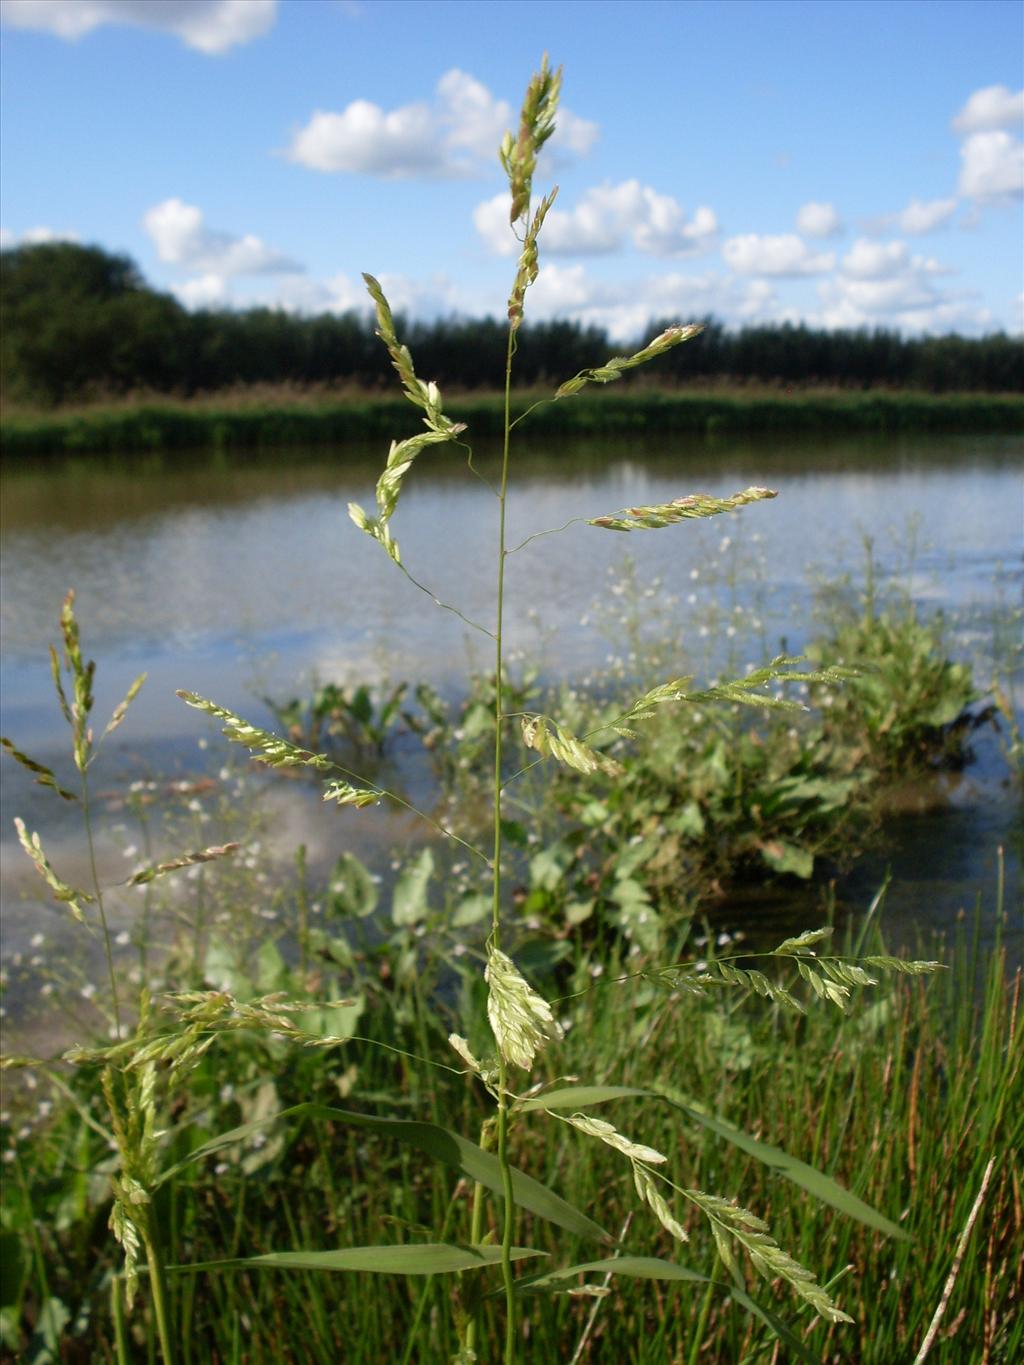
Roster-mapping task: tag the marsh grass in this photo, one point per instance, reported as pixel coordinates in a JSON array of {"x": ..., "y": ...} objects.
[{"x": 269, "y": 418}]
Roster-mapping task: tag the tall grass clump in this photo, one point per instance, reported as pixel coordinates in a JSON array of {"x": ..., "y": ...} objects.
[
  {"x": 587, "y": 1137},
  {"x": 524, "y": 1028}
]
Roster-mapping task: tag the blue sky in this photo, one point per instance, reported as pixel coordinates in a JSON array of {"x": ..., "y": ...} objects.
[{"x": 845, "y": 164}]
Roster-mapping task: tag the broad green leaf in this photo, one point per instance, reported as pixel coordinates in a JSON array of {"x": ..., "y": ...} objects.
[
  {"x": 441, "y": 1144},
  {"x": 409, "y": 902},
  {"x": 578, "y": 1097},
  {"x": 816, "y": 1183},
  {"x": 352, "y": 889},
  {"x": 422, "y": 1258},
  {"x": 634, "y": 1267},
  {"x": 784, "y": 857}
]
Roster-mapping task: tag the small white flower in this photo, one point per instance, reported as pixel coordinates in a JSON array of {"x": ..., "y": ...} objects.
[{"x": 37, "y": 940}]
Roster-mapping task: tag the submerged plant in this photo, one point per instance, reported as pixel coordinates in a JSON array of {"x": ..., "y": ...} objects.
[{"x": 523, "y": 1023}]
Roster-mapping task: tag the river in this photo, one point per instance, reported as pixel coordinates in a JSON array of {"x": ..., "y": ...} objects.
[{"x": 244, "y": 578}]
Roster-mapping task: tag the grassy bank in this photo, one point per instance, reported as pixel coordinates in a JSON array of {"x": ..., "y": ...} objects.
[
  {"x": 274, "y": 418},
  {"x": 908, "y": 1101}
]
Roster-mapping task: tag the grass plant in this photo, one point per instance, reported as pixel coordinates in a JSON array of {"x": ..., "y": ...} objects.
[{"x": 221, "y": 1162}]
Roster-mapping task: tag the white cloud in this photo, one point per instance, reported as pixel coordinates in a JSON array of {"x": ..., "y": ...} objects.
[
  {"x": 625, "y": 308},
  {"x": 182, "y": 238},
  {"x": 818, "y": 220},
  {"x": 992, "y": 169},
  {"x": 881, "y": 284},
  {"x": 209, "y": 26},
  {"x": 606, "y": 219},
  {"x": 990, "y": 108},
  {"x": 454, "y": 136},
  {"x": 33, "y": 236},
  {"x": 921, "y": 216},
  {"x": 786, "y": 255},
  {"x": 867, "y": 260}
]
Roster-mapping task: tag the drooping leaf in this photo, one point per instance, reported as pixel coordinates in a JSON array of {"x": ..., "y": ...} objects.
[
  {"x": 419, "y": 1258},
  {"x": 440, "y": 1143},
  {"x": 816, "y": 1183},
  {"x": 578, "y": 1097}
]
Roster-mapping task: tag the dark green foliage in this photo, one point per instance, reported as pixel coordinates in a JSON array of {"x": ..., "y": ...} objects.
[
  {"x": 78, "y": 322},
  {"x": 262, "y": 424}
]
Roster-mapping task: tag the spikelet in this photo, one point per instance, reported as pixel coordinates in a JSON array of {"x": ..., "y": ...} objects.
[
  {"x": 548, "y": 738},
  {"x": 681, "y": 509},
  {"x": 615, "y": 367},
  {"x": 204, "y": 855},
  {"x": 536, "y": 124},
  {"x": 608, "y": 1133},
  {"x": 264, "y": 746},
  {"x": 71, "y": 897},
  {"x": 521, "y": 1020},
  {"x": 655, "y": 1201},
  {"x": 769, "y": 1259}
]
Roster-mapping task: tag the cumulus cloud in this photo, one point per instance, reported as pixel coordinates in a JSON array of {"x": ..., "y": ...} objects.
[
  {"x": 991, "y": 108},
  {"x": 909, "y": 303},
  {"x": 606, "y": 219},
  {"x": 882, "y": 284},
  {"x": 818, "y": 220},
  {"x": 182, "y": 238},
  {"x": 921, "y": 215},
  {"x": 625, "y": 308},
  {"x": 785, "y": 255},
  {"x": 992, "y": 167},
  {"x": 209, "y": 26},
  {"x": 452, "y": 137}
]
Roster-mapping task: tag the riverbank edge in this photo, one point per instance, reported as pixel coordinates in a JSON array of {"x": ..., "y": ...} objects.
[{"x": 160, "y": 425}]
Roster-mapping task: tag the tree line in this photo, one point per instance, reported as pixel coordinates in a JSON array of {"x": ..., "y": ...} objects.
[{"x": 78, "y": 322}]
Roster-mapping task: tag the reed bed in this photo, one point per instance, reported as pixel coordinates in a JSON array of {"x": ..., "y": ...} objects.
[{"x": 262, "y": 420}]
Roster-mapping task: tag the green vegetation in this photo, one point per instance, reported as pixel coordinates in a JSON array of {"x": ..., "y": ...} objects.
[
  {"x": 263, "y": 422},
  {"x": 273, "y": 1116},
  {"x": 79, "y": 323}
]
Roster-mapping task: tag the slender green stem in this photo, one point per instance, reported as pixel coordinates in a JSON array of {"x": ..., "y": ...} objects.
[
  {"x": 476, "y": 1229},
  {"x": 158, "y": 1289},
  {"x": 107, "y": 948},
  {"x": 120, "y": 1327},
  {"x": 503, "y": 1161}
]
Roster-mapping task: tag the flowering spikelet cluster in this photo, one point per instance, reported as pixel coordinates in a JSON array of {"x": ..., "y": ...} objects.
[
  {"x": 655, "y": 1201},
  {"x": 521, "y": 1020},
  {"x": 607, "y": 1132}
]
